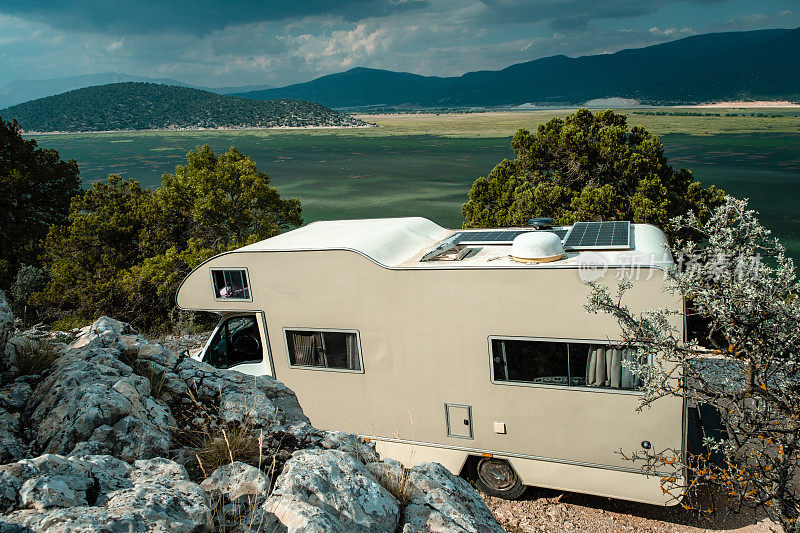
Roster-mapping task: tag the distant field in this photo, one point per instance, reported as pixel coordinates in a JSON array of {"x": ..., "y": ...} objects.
[
  {"x": 425, "y": 164},
  {"x": 504, "y": 124}
]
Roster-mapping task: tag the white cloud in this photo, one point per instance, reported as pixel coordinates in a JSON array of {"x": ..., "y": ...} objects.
[
  {"x": 673, "y": 33},
  {"x": 113, "y": 46}
]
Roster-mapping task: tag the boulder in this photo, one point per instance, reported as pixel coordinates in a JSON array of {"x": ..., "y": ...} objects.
[
  {"x": 261, "y": 402},
  {"x": 351, "y": 444},
  {"x": 236, "y": 480},
  {"x": 92, "y": 403},
  {"x": 237, "y": 492},
  {"x": 92, "y": 493},
  {"x": 105, "y": 332},
  {"x": 330, "y": 490},
  {"x": 440, "y": 502}
]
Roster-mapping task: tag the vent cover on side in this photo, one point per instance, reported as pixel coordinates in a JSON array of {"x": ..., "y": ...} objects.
[{"x": 599, "y": 236}]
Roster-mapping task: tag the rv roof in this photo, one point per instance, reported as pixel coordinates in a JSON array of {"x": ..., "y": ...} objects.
[{"x": 402, "y": 242}]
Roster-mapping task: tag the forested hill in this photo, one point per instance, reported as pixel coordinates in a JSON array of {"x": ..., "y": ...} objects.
[
  {"x": 148, "y": 106},
  {"x": 749, "y": 65}
]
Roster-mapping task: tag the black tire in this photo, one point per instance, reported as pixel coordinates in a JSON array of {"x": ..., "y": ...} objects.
[{"x": 496, "y": 477}]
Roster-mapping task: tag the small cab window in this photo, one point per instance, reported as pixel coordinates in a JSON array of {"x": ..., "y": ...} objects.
[
  {"x": 337, "y": 350},
  {"x": 570, "y": 364},
  {"x": 236, "y": 341},
  {"x": 231, "y": 284}
]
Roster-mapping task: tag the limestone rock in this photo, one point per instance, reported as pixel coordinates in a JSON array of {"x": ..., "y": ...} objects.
[
  {"x": 352, "y": 444},
  {"x": 91, "y": 403},
  {"x": 104, "y": 332},
  {"x": 330, "y": 490},
  {"x": 90, "y": 493},
  {"x": 443, "y": 502},
  {"x": 237, "y": 492},
  {"x": 14, "y": 395},
  {"x": 12, "y": 446},
  {"x": 262, "y": 402},
  {"x": 235, "y": 480},
  {"x": 104, "y": 435}
]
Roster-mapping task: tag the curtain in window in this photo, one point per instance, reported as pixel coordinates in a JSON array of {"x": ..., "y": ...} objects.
[
  {"x": 604, "y": 367},
  {"x": 353, "y": 362},
  {"x": 305, "y": 349},
  {"x": 320, "y": 350}
]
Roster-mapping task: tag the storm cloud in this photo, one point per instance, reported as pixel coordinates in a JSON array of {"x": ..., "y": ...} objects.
[
  {"x": 209, "y": 43},
  {"x": 195, "y": 17}
]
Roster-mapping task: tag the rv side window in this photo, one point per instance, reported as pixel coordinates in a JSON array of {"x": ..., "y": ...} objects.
[
  {"x": 324, "y": 349},
  {"x": 570, "y": 364},
  {"x": 231, "y": 284},
  {"x": 532, "y": 362}
]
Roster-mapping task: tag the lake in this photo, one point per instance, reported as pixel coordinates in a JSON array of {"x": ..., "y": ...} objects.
[{"x": 372, "y": 173}]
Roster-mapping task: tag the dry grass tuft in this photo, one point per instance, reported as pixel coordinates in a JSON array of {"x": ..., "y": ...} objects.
[
  {"x": 398, "y": 485},
  {"x": 235, "y": 442},
  {"x": 33, "y": 357}
]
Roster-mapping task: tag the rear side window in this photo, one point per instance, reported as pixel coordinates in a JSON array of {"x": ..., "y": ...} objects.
[
  {"x": 320, "y": 349},
  {"x": 569, "y": 364},
  {"x": 232, "y": 284}
]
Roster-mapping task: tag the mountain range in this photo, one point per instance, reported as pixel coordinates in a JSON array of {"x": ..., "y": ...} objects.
[
  {"x": 751, "y": 65},
  {"x": 757, "y": 65},
  {"x": 147, "y": 106}
]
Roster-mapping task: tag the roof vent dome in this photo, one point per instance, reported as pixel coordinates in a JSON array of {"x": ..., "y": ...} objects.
[{"x": 537, "y": 247}]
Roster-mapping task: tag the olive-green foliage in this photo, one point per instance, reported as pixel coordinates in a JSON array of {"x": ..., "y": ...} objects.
[
  {"x": 587, "y": 166},
  {"x": 35, "y": 191},
  {"x": 126, "y": 249}
]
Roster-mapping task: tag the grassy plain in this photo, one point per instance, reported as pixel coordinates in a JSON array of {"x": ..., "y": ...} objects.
[
  {"x": 424, "y": 164},
  {"x": 503, "y": 124}
]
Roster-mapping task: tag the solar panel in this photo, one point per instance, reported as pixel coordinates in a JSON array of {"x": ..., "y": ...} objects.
[
  {"x": 497, "y": 236},
  {"x": 599, "y": 236}
]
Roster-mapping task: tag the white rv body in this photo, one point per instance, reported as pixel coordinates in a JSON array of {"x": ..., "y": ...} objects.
[{"x": 420, "y": 373}]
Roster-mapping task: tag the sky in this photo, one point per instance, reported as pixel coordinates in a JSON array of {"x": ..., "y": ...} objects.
[{"x": 214, "y": 44}]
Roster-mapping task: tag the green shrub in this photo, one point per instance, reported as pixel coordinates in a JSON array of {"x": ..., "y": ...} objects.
[
  {"x": 126, "y": 249},
  {"x": 68, "y": 323}
]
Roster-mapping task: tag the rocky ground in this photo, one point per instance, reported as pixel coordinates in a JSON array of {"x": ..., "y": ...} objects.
[
  {"x": 105, "y": 430},
  {"x": 553, "y": 511}
]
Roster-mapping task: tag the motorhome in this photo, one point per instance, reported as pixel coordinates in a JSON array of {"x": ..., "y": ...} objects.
[{"x": 467, "y": 347}]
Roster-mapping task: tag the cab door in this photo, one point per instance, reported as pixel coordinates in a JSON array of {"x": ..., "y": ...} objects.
[{"x": 240, "y": 343}]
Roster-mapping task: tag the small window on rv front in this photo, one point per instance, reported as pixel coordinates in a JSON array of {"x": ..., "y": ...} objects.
[
  {"x": 570, "y": 364},
  {"x": 231, "y": 284},
  {"x": 320, "y": 349}
]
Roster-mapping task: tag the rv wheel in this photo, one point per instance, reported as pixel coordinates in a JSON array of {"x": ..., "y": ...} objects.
[{"x": 495, "y": 477}]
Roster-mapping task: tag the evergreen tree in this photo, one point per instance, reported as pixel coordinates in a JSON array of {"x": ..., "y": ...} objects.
[
  {"x": 35, "y": 190},
  {"x": 588, "y": 166}
]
